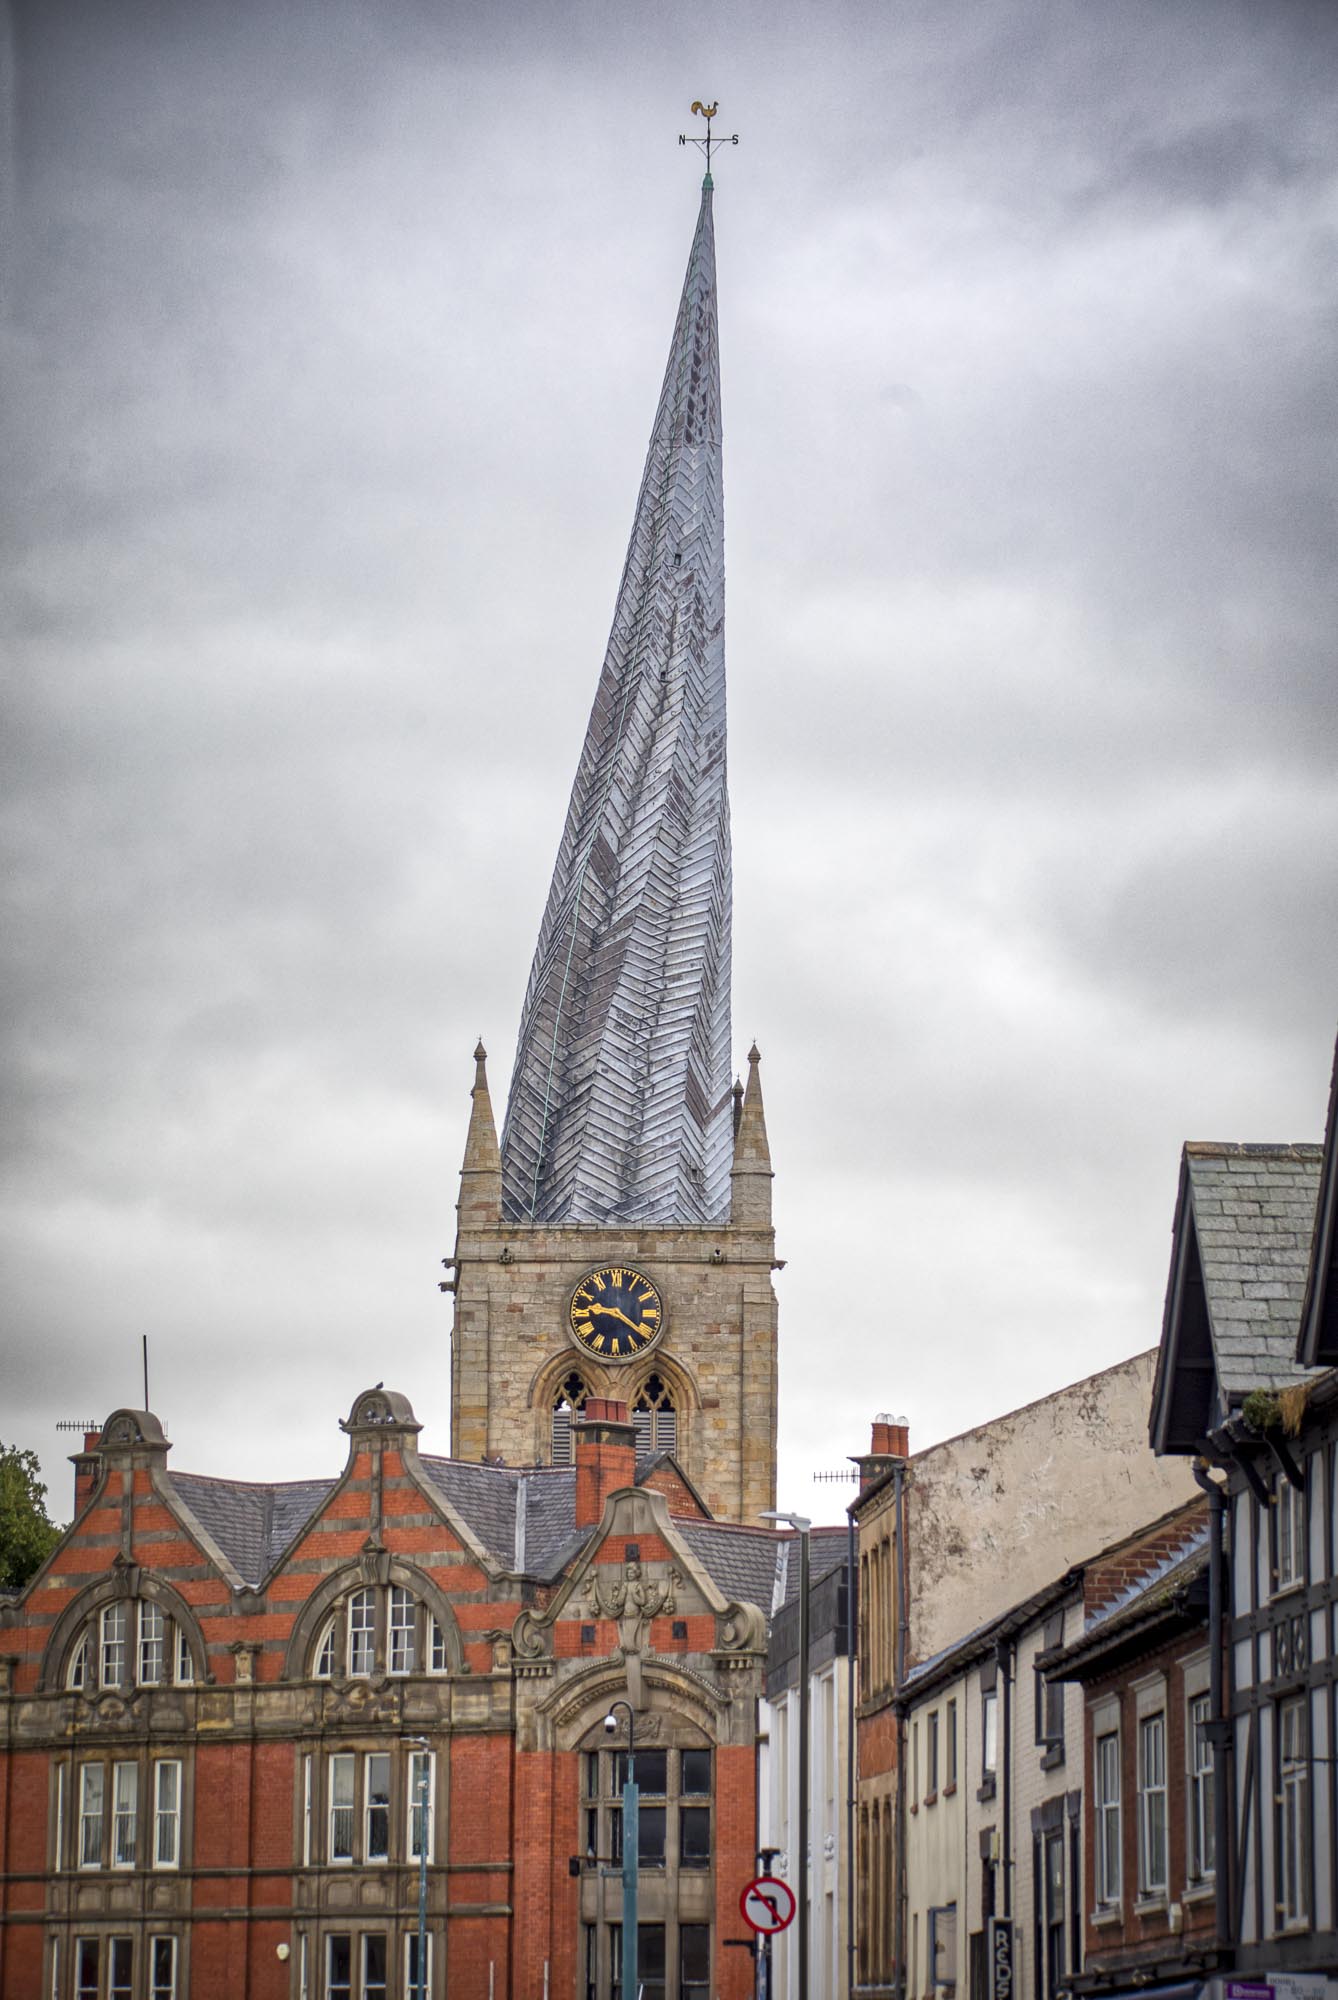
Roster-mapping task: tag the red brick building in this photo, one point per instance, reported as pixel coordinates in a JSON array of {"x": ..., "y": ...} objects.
[{"x": 217, "y": 1702}]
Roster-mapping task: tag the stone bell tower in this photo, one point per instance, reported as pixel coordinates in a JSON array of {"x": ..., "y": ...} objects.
[{"x": 618, "y": 1243}]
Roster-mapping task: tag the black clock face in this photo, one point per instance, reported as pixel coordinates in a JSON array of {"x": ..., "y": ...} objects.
[{"x": 616, "y": 1313}]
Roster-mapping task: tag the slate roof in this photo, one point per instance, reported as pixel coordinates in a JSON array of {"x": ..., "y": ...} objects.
[
  {"x": 1185, "y": 1559},
  {"x": 490, "y": 1499},
  {"x": 1254, "y": 1217},
  {"x": 758, "y": 1565},
  {"x": 251, "y": 1524},
  {"x": 1148, "y": 1603},
  {"x": 741, "y": 1561}
]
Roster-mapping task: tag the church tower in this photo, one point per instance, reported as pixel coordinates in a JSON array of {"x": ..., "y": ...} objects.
[{"x": 618, "y": 1243}]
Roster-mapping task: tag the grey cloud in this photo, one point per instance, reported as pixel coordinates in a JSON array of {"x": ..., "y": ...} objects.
[{"x": 330, "y": 364}]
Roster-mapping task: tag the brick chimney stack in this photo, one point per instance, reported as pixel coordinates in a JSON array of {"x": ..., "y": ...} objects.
[
  {"x": 604, "y": 1446},
  {"x": 87, "y": 1465},
  {"x": 890, "y": 1445}
]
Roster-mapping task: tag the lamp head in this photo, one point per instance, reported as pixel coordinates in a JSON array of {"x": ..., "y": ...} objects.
[{"x": 610, "y": 1723}]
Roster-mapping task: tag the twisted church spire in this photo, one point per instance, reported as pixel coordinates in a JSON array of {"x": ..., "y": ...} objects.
[{"x": 620, "y": 1098}]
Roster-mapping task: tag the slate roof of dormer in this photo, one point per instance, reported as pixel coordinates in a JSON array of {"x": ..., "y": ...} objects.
[{"x": 252, "y": 1524}]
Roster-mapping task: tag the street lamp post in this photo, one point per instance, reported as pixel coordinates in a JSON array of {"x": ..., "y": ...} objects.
[
  {"x": 801, "y": 1526},
  {"x": 631, "y": 1849},
  {"x": 421, "y": 1744}
]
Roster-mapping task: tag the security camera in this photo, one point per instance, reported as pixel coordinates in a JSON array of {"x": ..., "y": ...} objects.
[{"x": 610, "y": 1723}]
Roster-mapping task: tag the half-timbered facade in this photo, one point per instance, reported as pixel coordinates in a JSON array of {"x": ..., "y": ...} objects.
[{"x": 1245, "y": 1382}]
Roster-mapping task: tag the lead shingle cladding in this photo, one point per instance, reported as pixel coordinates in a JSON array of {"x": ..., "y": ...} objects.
[{"x": 619, "y": 1107}]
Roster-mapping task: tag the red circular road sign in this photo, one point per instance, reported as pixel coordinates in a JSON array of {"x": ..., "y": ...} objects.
[{"x": 768, "y": 1905}]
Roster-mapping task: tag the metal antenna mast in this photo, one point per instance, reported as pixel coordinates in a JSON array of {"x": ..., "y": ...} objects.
[{"x": 706, "y": 111}]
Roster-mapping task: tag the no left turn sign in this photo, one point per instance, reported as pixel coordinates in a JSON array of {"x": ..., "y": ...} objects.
[{"x": 768, "y": 1905}]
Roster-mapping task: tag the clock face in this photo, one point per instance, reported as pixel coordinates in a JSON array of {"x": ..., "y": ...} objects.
[{"x": 615, "y": 1313}]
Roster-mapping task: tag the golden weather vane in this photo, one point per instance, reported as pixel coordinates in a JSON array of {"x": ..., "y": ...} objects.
[{"x": 706, "y": 111}]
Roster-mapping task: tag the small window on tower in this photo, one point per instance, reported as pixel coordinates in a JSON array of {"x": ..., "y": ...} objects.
[
  {"x": 656, "y": 1420},
  {"x": 567, "y": 1405}
]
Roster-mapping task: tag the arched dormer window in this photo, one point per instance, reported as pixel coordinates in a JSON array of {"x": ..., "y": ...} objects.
[
  {"x": 655, "y": 1418},
  {"x": 130, "y": 1642},
  {"x": 386, "y": 1622},
  {"x": 568, "y": 1402}
]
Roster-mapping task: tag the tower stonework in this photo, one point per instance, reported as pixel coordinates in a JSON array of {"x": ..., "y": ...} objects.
[{"x": 624, "y": 1167}]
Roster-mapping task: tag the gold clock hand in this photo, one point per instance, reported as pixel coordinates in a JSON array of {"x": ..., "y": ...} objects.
[{"x": 612, "y": 1312}]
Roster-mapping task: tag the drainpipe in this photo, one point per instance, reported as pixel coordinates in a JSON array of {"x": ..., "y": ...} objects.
[
  {"x": 851, "y": 1629},
  {"x": 1221, "y": 1724},
  {"x": 1004, "y": 1654},
  {"x": 899, "y": 1673}
]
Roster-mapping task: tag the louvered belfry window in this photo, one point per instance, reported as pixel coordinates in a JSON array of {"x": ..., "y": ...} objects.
[
  {"x": 568, "y": 1403},
  {"x": 656, "y": 1420}
]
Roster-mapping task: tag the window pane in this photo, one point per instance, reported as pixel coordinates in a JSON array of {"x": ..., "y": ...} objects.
[
  {"x": 338, "y": 1966},
  {"x": 377, "y": 1780},
  {"x": 650, "y": 1840},
  {"x": 86, "y": 1969},
  {"x": 125, "y": 1814},
  {"x": 92, "y": 1788},
  {"x": 413, "y": 1988},
  {"x": 121, "y": 1977},
  {"x": 373, "y": 1965},
  {"x": 694, "y": 1836},
  {"x": 341, "y": 1808},
  {"x": 325, "y": 1652},
  {"x": 652, "y": 1772},
  {"x": 152, "y": 1636},
  {"x": 113, "y": 1646},
  {"x": 361, "y": 1631},
  {"x": 162, "y": 1968},
  {"x": 166, "y": 1812},
  {"x": 403, "y": 1615},
  {"x": 420, "y": 1802},
  {"x": 650, "y": 1960},
  {"x": 696, "y": 1771},
  {"x": 694, "y": 1959}
]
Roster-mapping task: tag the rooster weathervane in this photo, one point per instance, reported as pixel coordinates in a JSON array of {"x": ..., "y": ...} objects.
[{"x": 706, "y": 111}]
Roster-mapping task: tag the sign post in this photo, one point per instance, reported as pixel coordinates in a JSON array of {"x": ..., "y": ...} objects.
[{"x": 768, "y": 1907}]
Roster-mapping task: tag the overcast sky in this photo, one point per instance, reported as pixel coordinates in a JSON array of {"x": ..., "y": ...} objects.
[{"x": 334, "y": 331}]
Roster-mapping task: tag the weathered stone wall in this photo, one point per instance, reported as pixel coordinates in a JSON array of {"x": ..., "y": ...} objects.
[
  {"x": 1000, "y": 1511},
  {"x": 512, "y": 1346}
]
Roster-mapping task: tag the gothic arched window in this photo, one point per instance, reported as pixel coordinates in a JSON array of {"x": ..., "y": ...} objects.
[
  {"x": 656, "y": 1420},
  {"x": 568, "y": 1402}
]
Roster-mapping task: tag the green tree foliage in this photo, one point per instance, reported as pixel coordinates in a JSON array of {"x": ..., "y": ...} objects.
[{"x": 27, "y": 1537}]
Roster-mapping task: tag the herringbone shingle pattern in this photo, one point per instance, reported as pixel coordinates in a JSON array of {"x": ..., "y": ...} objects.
[{"x": 619, "y": 1108}]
